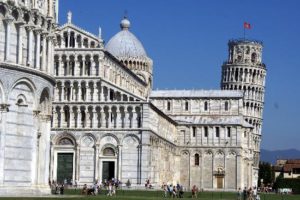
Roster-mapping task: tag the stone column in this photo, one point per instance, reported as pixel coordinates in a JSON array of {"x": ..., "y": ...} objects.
[
  {"x": 50, "y": 58},
  {"x": 119, "y": 117},
  {"x": 134, "y": 118},
  {"x": 93, "y": 66},
  {"x": 44, "y": 53},
  {"x": 79, "y": 92},
  {"x": 95, "y": 119},
  {"x": 67, "y": 66},
  {"x": 109, "y": 117},
  {"x": 71, "y": 90},
  {"x": 57, "y": 72},
  {"x": 72, "y": 118},
  {"x": 29, "y": 50},
  {"x": 102, "y": 94},
  {"x": 55, "y": 121},
  {"x": 88, "y": 118},
  {"x": 20, "y": 43},
  {"x": 8, "y": 22},
  {"x": 64, "y": 91},
  {"x": 119, "y": 162},
  {"x": 38, "y": 49},
  {"x": 127, "y": 119},
  {"x": 77, "y": 67},
  {"x": 77, "y": 163},
  {"x": 76, "y": 43},
  {"x": 69, "y": 39},
  {"x": 95, "y": 93},
  {"x": 97, "y": 147},
  {"x": 83, "y": 67},
  {"x": 102, "y": 118},
  {"x": 79, "y": 125},
  {"x": 63, "y": 118}
]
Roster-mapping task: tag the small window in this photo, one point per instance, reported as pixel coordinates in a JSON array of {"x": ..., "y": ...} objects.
[
  {"x": 196, "y": 159},
  {"x": 169, "y": 106},
  {"x": 205, "y": 106},
  {"x": 186, "y": 106},
  {"x": 226, "y": 106},
  {"x": 217, "y": 132},
  {"x": 245, "y": 134},
  {"x": 194, "y": 131},
  {"x": 205, "y": 132},
  {"x": 228, "y": 132}
]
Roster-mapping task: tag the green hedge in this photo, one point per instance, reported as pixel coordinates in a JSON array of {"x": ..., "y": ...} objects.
[{"x": 288, "y": 183}]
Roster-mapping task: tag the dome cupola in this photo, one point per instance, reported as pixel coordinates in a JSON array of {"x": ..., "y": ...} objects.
[{"x": 125, "y": 45}]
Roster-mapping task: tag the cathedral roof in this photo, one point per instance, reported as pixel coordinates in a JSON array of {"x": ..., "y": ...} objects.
[
  {"x": 195, "y": 94},
  {"x": 212, "y": 120},
  {"x": 125, "y": 44}
]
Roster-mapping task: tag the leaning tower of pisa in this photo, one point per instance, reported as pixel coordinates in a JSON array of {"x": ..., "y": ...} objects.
[{"x": 245, "y": 71}]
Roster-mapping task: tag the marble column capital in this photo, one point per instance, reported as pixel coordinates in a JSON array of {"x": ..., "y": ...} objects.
[{"x": 8, "y": 20}]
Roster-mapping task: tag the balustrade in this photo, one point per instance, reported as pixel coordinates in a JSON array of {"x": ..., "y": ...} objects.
[{"x": 106, "y": 116}]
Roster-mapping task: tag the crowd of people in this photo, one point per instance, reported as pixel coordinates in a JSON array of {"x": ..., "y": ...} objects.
[
  {"x": 177, "y": 191},
  {"x": 248, "y": 194},
  {"x": 109, "y": 188}
]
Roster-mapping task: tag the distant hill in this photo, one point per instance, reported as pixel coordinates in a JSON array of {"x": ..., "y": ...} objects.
[{"x": 272, "y": 156}]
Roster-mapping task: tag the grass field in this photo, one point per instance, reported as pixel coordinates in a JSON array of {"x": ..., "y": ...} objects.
[{"x": 151, "y": 195}]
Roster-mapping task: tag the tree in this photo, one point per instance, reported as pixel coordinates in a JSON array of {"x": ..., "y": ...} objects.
[{"x": 265, "y": 173}]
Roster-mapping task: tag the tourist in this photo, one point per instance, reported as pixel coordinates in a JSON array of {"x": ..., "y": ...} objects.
[
  {"x": 84, "y": 189},
  {"x": 174, "y": 192},
  {"x": 109, "y": 189},
  {"x": 62, "y": 189},
  {"x": 245, "y": 194},
  {"x": 165, "y": 189},
  {"x": 194, "y": 192},
  {"x": 180, "y": 191},
  {"x": 239, "y": 194},
  {"x": 113, "y": 190}
]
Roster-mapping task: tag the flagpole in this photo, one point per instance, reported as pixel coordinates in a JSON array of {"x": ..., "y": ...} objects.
[{"x": 244, "y": 33}]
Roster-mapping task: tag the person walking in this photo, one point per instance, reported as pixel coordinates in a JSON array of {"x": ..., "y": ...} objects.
[{"x": 239, "y": 194}]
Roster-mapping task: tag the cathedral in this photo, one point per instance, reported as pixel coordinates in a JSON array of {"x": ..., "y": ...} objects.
[{"x": 76, "y": 109}]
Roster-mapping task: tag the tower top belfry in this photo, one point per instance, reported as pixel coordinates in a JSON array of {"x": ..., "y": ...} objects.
[{"x": 244, "y": 51}]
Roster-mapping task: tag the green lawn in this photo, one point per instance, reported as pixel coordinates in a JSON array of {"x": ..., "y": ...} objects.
[{"x": 151, "y": 195}]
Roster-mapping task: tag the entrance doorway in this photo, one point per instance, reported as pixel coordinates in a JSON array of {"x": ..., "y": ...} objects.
[
  {"x": 108, "y": 170},
  {"x": 64, "y": 167},
  {"x": 220, "y": 181}
]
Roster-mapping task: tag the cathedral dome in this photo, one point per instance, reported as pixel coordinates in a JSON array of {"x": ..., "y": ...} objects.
[{"x": 125, "y": 45}]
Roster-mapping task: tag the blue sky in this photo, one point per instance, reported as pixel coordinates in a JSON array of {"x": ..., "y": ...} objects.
[{"x": 187, "y": 40}]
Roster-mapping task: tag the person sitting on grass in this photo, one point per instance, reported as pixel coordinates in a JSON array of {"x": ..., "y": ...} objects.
[
  {"x": 62, "y": 189},
  {"x": 84, "y": 190}
]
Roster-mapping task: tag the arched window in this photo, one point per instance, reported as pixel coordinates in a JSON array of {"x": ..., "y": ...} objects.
[
  {"x": 226, "y": 106},
  {"x": 186, "y": 106},
  {"x": 196, "y": 159},
  {"x": 253, "y": 57},
  {"x": 108, "y": 151},
  {"x": 205, "y": 106}
]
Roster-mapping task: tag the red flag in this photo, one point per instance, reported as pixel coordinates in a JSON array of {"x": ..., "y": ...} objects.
[{"x": 247, "y": 25}]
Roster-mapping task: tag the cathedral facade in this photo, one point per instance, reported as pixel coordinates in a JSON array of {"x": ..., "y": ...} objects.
[
  {"x": 75, "y": 109},
  {"x": 109, "y": 123}
]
